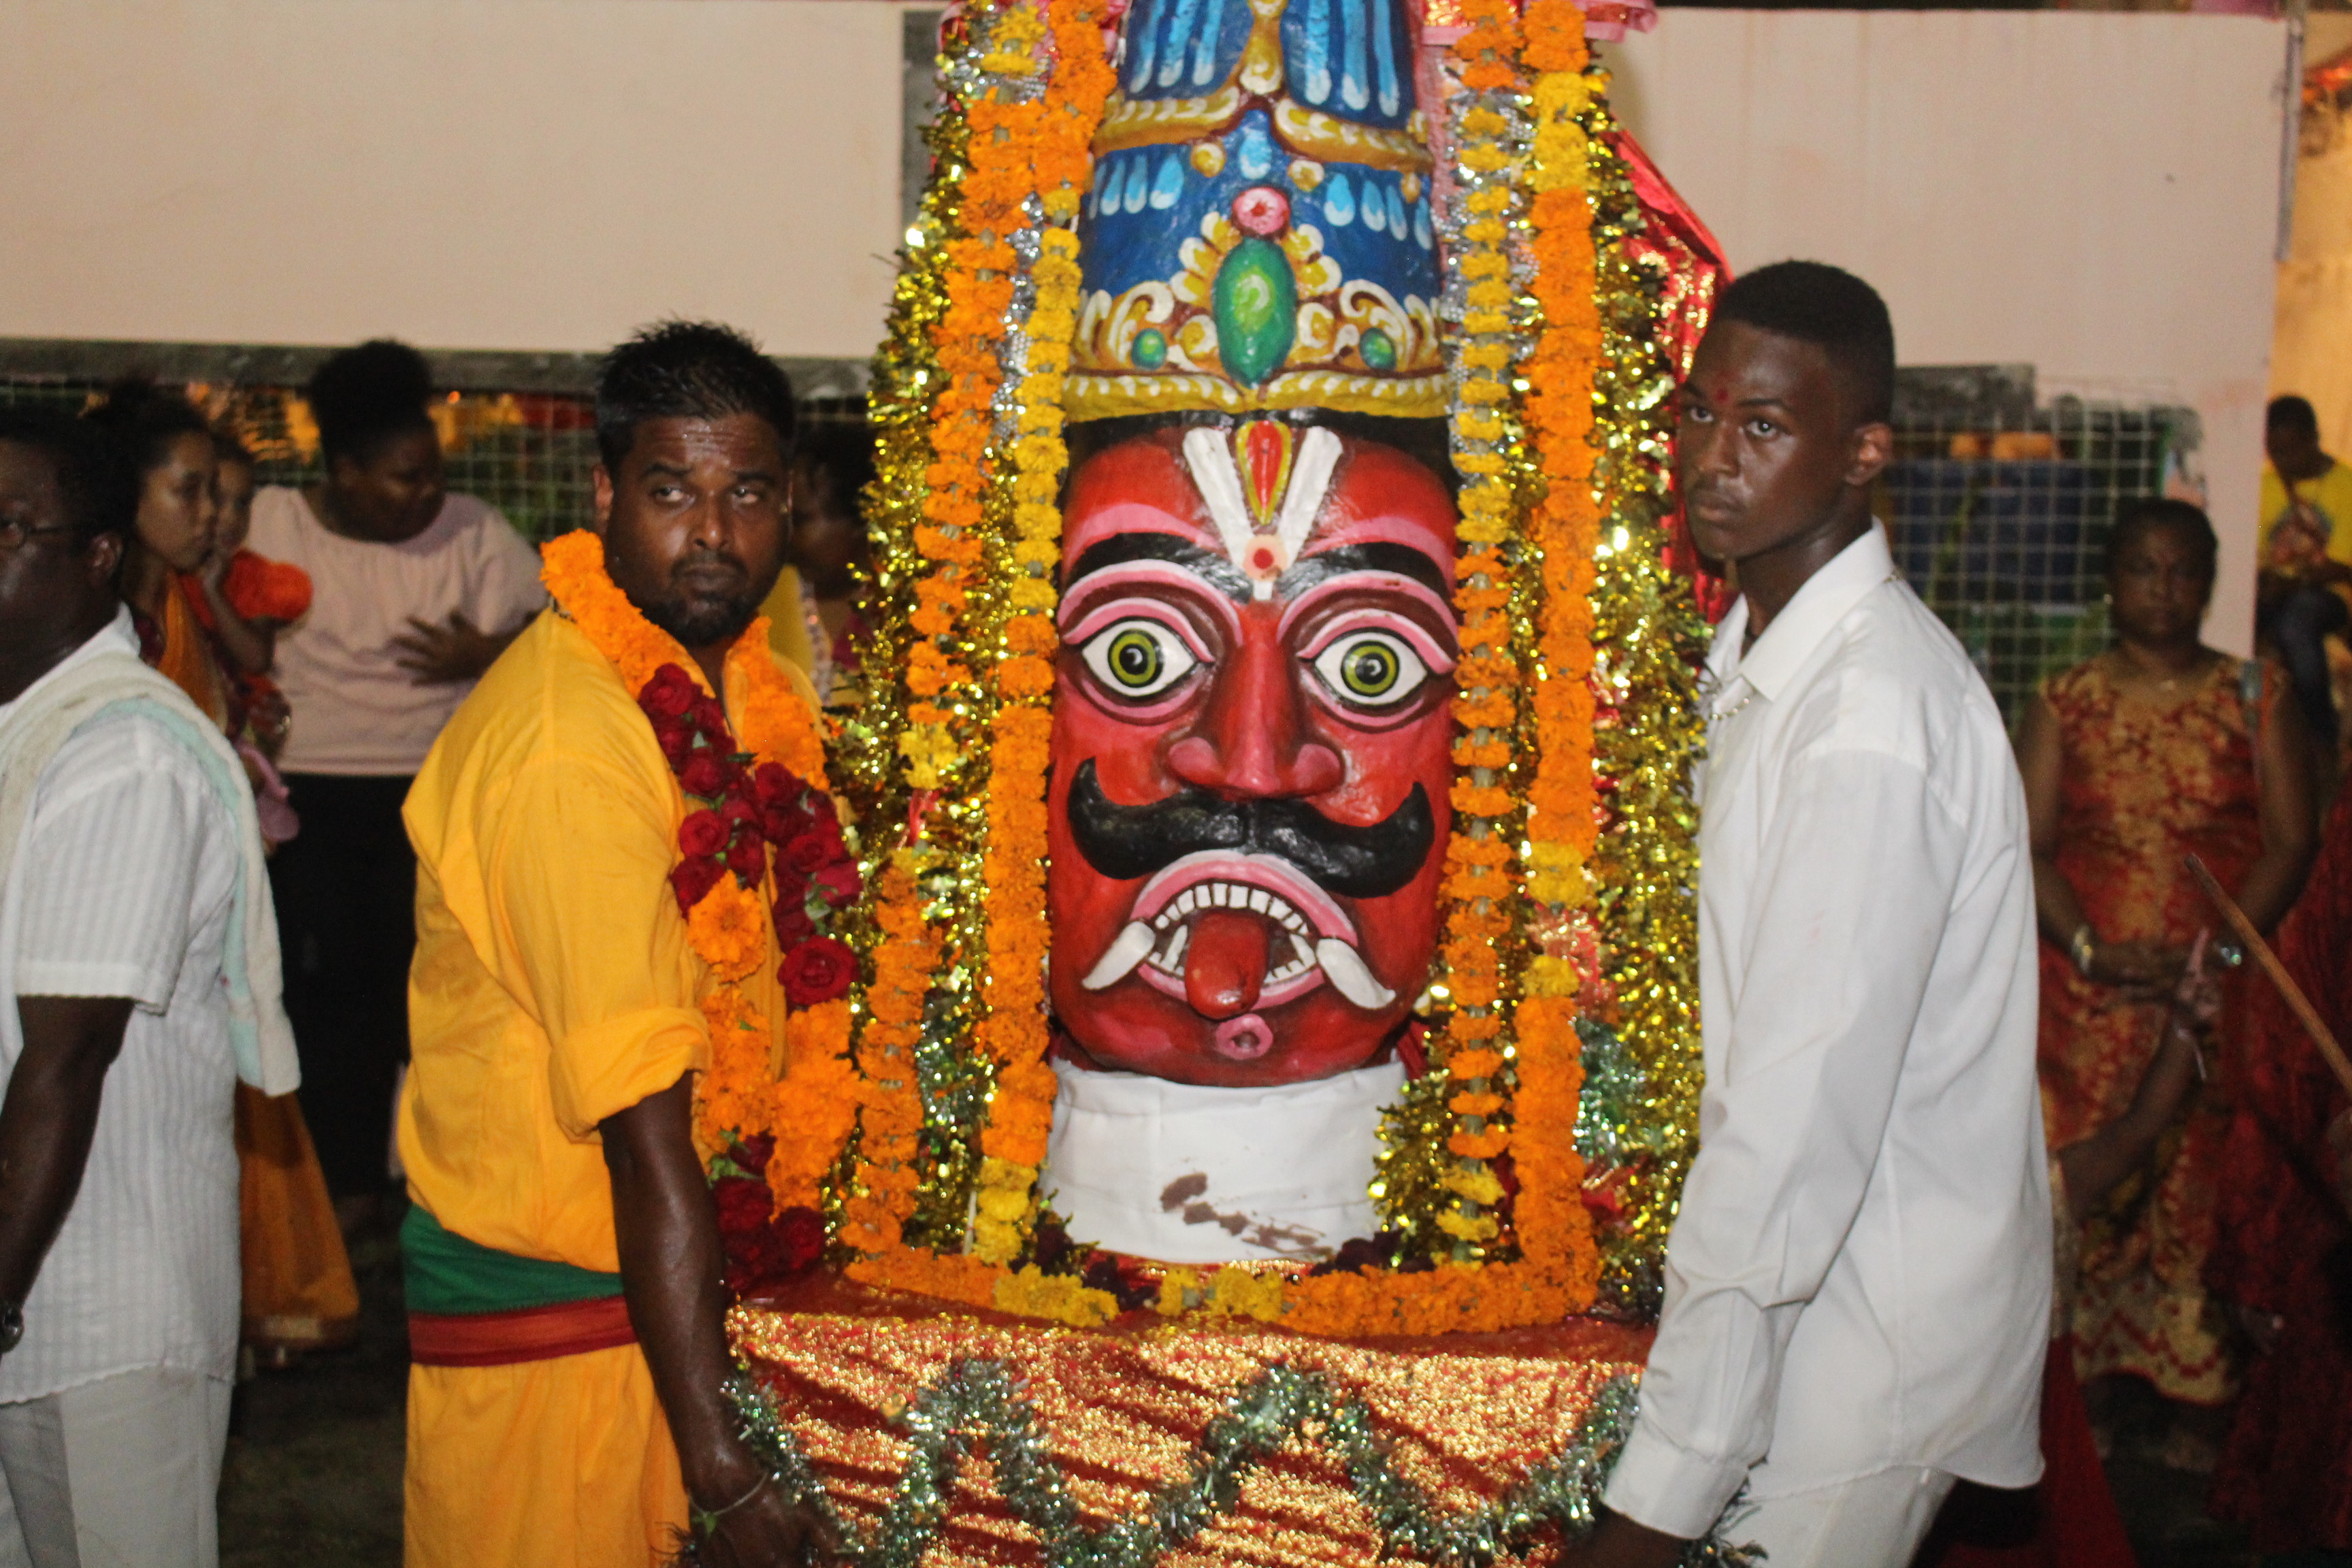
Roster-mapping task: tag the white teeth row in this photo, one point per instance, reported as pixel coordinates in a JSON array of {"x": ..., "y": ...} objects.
[
  {"x": 1232, "y": 896},
  {"x": 1170, "y": 958},
  {"x": 1343, "y": 966}
]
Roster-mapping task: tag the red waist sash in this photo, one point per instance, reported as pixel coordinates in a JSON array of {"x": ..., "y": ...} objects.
[{"x": 526, "y": 1334}]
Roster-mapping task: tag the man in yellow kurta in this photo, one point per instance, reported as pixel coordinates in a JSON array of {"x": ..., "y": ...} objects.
[{"x": 562, "y": 1255}]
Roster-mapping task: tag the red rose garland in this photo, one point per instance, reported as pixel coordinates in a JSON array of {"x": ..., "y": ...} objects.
[{"x": 743, "y": 813}]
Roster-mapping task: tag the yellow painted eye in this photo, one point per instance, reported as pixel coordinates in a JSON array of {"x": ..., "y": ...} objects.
[
  {"x": 1138, "y": 659},
  {"x": 1370, "y": 670}
]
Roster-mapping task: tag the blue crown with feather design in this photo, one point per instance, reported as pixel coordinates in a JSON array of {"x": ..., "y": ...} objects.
[{"x": 1258, "y": 233}]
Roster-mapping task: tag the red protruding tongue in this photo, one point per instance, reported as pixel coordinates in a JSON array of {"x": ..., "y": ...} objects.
[{"x": 1224, "y": 963}]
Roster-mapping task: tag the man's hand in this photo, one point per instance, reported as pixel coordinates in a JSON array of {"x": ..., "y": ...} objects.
[
  {"x": 46, "y": 1122},
  {"x": 2141, "y": 970},
  {"x": 667, "y": 1229},
  {"x": 1618, "y": 1542},
  {"x": 454, "y": 650},
  {"x": 766, "y": 1530}
]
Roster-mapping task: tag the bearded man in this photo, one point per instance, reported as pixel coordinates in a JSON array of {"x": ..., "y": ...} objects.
[{"x": 564, "y": 1265}]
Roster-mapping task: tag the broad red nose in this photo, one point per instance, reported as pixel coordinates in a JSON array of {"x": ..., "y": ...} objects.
[{"x": 1252, "y": 740}]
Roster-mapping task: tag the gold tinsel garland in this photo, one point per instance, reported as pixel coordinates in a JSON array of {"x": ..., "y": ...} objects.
[{"x": 1648, "y": 733}]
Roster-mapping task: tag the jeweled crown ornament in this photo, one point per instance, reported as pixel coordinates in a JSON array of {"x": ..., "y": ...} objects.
[{"x": 1258, "y": 233}]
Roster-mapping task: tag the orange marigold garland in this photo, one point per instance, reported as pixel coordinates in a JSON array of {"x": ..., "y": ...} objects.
[
  {"x": 1051, "y": 144},
  {"x": 759, "y": 829},
  {"x": 1566, "y": 531}
]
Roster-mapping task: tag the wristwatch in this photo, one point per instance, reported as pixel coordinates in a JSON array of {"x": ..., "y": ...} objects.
[
  {"x": 2082, "y": 947},
  {"x": 12, "y": 1325}
]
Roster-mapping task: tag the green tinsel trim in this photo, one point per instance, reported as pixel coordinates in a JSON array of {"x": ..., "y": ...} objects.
[{"x": 979, "y": 1402}]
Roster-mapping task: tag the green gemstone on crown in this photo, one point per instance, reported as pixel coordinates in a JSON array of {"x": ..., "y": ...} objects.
[
  {"x": 1254, "y": 302},
  {"x": 1151, "y": 351},
  {"x": 1379, "y": 349}
]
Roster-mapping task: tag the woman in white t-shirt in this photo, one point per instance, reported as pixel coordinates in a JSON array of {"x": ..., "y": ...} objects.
[{"x": 415, "y": 592}]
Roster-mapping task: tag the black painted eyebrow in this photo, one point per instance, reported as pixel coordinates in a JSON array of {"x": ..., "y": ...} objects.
[
  {"x": 1122, "y": 548},
  {"x": 1381, "y": 555}
]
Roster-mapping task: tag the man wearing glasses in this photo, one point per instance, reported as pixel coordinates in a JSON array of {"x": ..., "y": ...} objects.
[{"x": 139, "y": 979}]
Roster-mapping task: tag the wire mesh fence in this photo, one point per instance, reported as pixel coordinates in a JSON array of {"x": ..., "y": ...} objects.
[
  {"x": 528, "y": 452},
  {"x": 2000, "y": 505}
]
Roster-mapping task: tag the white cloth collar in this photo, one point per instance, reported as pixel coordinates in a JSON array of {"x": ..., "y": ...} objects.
[
  {"x": 1786, "y": 646},
  {"x": 117, "y": 636},
  {"x": 1187, "y": 1173}
]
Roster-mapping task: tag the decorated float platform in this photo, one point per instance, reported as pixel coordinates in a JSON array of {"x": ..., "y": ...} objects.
[
  {"x": 980, "y": 1437},
  {"x": 1270, "y": 806}
]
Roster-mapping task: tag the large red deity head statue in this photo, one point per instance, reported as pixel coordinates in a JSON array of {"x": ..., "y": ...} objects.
[
  {"x": 1252, "y": 751},
  {"x": 1252, "y": 732}
]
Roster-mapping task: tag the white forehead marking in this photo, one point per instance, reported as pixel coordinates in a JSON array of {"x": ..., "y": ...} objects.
[
  {"x": 1206, "y": 454},
  {"x": 1310, "y": 480}
]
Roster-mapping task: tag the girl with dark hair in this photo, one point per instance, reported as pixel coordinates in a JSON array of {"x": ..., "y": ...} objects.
[
  {"x": 414, "y": 591},
  {"x": 2155, "y": 749},
  {"x": 299, "y": 1292},
  {"x": 169, "y": 447}
]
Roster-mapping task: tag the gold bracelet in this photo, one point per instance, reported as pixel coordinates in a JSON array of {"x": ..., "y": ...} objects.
[
  {"x": 705, "y": 1520},
  {"x": 2083, "y": 947}
]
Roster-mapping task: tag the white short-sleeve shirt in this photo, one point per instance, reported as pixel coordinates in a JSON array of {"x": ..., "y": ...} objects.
[
  {"x": 122, "y": 886},
  {"x": 356, "y": 712}
]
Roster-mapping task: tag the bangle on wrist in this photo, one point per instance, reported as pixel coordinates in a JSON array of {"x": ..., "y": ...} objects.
[
  {"x": 705, "y": 1520},
  {"x": 2082, "y": 947}
]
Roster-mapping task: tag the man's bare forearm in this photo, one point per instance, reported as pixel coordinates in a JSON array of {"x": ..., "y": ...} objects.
[
  {"x": 671, "y": 1273},
  {"x": 47, "y": 1120}
]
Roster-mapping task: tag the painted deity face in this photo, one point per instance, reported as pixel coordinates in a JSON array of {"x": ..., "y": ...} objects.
[{"x": 1252, "y": 736}]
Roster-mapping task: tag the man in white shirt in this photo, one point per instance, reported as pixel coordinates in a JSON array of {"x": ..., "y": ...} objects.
[
  {"x": 1858, "y": 1283},
  {"x": 138, "y": 981}
]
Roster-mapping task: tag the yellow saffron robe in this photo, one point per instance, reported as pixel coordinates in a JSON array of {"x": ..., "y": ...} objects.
[{"x": 553, "y": 986}]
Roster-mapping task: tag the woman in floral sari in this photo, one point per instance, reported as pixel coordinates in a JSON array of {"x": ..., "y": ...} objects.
[{"x": 2156, "y": 750}]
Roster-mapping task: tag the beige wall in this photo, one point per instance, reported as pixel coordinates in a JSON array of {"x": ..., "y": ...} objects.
[
  {"x": 465, "y": 173},
  {"x": 2094, "y": 193}
]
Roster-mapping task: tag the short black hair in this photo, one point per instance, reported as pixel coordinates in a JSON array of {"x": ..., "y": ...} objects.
[
  {"x": 2152, "y": 514},
  {"x": 841, "y": 452},
  {"x": 143, "y": 420},
  {"x": 100, "y": 487},
  {"x": 2292, "y": 412},
  {"x": 363, "y": 396},
  {"x": 686, "y": 370},
  {"x": 1829, "y": 307},
  {"x": 228, "y": 446}
]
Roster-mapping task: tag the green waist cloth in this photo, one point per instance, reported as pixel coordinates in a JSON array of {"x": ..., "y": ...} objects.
[{"x": 447, "y": 1274}]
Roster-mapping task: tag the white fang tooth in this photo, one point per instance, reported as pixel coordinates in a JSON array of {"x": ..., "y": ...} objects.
[
  {"x": 1259, "y": 901},
  {"x": 1344, "y": 966},
  {"x": 1129, "y": 948}
]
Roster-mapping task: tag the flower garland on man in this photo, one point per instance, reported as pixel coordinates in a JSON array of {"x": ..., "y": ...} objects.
[{"x": 625, "y": 988}]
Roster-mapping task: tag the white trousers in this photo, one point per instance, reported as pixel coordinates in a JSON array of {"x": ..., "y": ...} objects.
[
  {"x": 120, "y": 1473},
  {"x": 1875, "y": 1521}
]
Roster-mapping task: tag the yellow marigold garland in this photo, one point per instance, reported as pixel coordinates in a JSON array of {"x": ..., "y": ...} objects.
[{"x": 1480, "y": 888}]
